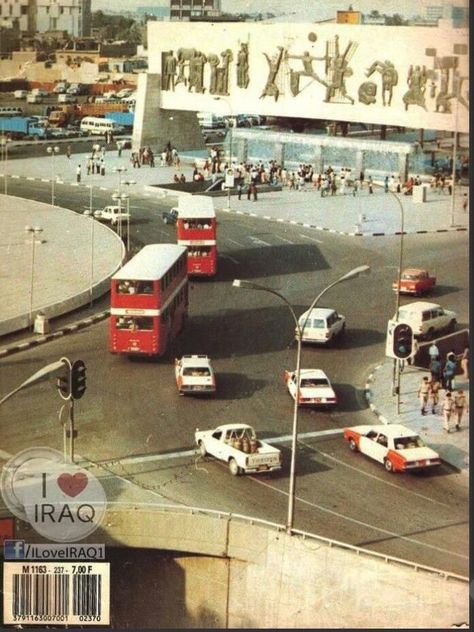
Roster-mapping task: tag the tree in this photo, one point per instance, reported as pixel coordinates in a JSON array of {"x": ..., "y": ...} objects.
[{"x": 395, "y": 20}]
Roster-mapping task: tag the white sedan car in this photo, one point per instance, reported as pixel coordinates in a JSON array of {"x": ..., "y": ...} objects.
[
  {"x": 322, "y": 325},
  {"x": 194, "y": 375},
  {"x": 397, "y": 447},
  {"x": 314, "y": 389}
]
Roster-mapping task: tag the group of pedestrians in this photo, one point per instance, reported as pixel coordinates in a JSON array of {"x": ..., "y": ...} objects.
[
  {"x": 442, "y": 377},
  {"x": 144, "y": 156}
]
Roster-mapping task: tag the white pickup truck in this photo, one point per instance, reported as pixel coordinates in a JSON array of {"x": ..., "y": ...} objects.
[{"x": 237, "y": 445}]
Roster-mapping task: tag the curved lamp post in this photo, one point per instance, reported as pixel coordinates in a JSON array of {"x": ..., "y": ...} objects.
[
  {"x": 89, "y": 213},
  {"x": 52, "y": 151},
  {"x": 33, "y": 231},
  {"x": 249, "y": 285},
  {"x": 128, "y": 183}
]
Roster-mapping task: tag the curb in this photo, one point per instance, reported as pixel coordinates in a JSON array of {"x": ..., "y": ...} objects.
[
  {"x": 67, "y": 329},
  {"x": 162, "y": 193}
]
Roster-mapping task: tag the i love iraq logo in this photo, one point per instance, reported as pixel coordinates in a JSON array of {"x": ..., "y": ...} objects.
[{"x": 60, "y": 500}]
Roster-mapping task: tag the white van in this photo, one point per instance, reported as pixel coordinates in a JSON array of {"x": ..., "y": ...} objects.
[
  {"x": 66, "y": 98},
  {"x": 427, "y": 319},
  {"x": 97, "y": 125},
  {"x": 10, "y": 111}
]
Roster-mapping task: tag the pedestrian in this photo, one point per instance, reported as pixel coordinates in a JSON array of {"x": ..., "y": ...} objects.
[
  {"x": 119, "y": 148},
  {"x": 433, "y": 351},
  {"x": 465, "y": 203},
  {"x": 333, "y": 186},
  {"x": 97, "y": 166},
  {"x": 68, "y": 151},
  {"x": 423, "y": 393},
  {"x": 254, "y": 192},
  {"x": 435, "y": 387},
  {"x": 465, "y": 363},
  {"x": 355, "y": 188},
  {"x": 371, "y": 185},
  {"x": 361, "y": 179},
  {"x": 78, "y": 173},
  {"x": 90, "y": 166},
  {"x": 249, "y": 190},
  {"x": 435, "y": 369},
  {"x": 151, "y": 158},
  {"x": 385, "y": 184},
  {"x": 448, "y": 409},
  {"x": 449, "y": 371},
  {"x": 102, "y": 167},
  {"x": 240, "y": 188},
  {"x": 460, "y": 404}
]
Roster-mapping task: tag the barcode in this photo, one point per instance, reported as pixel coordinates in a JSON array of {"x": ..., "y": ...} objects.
[{"x": 60, "y": 593}]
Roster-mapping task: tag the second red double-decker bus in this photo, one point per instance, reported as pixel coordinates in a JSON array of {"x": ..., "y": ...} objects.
[
  {"x": 196, "y": 226},
  {"x": 149, "y": 300}
]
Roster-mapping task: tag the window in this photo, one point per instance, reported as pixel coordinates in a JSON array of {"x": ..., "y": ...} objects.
[
  {"x": 217, "y": 435},
  {"x": 382, "y": 439}
]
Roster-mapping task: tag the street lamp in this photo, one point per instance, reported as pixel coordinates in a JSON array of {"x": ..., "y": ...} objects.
[
  {"x": 52, "y": 151},
  {"x": 4, "y": 145},
  {"x": 231, "y": 126},
  {"x": 120, "y": 170},
  {"x": 299, "y": 338},
  {"x": 33, "y": 231},
  {"x": 128, "y": 183},
  {"x": 89, "y": 213}
]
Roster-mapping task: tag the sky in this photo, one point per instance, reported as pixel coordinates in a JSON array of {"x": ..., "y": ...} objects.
[{"x": 301, "y": 10}]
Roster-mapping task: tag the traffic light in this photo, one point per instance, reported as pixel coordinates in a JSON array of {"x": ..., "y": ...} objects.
[
  {"x": 402, "y": 341},
  {"x": 63, "y": 385},
  {"x": 78, "y": 379}
]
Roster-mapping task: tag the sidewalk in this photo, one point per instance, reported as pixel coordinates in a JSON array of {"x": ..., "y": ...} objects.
[{"x": 453, "y": 447}]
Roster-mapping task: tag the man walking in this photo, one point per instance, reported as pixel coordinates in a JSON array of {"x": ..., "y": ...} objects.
[
  {"x": 448, "y": 409},
  {"x": 371, "y": 185},
  {"x": 435, "y": 387},
  {"x": 459, "y": 406},
  {"x": 78, "y": 173},
  {"x": 433, "y": 351},
  {"x": 423, "y": 393},
  {"x": 435, "y": 369},
  {"x": 449, "y": 371}
]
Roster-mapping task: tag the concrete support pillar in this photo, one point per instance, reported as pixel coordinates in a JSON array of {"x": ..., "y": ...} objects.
[
  {"x": 403, "y": 167},
  {"x": 359, "y": 165},
  {"x": 241, "y": 149},
  {"x": 318, "y": 159},
  {"x": 155, "y": 127},
  {"x": 279, "y": 153}
]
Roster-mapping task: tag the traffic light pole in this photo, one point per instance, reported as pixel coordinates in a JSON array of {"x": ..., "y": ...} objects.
[{"x": 70, "y": 431}]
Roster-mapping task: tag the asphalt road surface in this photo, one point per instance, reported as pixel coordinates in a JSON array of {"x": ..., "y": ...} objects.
[{"x": 134, "y": 424}]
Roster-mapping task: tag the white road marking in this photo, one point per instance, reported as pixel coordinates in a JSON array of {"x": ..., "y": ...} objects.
[
  {"x": 361, "y": 523},
  {"x": 381, "y": 480},
  {"x": 229, "y": 257},
  {"x": 288, "y": 241},
  {"x": 232, "y": 241},
  {"x": 318, "y": 241},
  {"x": 258, "y": 242}
]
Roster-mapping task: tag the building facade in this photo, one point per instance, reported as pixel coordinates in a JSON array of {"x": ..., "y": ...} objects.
[
  {"x": 186, "y": 10},
  {"x": 22, "y": 12}
]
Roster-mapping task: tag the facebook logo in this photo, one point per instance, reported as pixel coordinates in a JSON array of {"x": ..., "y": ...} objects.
[{"x": 14, "y": 549}]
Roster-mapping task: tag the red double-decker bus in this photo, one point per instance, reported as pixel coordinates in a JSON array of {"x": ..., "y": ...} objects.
[
  {"x": 196, "y": 226},
  {"x": 149, "y": 300}
]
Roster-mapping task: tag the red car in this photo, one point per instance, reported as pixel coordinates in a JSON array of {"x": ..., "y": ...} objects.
[{"x": 414, "y": 281}]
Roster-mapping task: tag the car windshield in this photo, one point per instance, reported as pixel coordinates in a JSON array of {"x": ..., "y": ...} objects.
[
  {"x": 312, "y": 382},
  {"x": 315, "y": 323},
  {"x": 406, "y": 443},
  {"x": 403, "y": 314},
  {"x": 196, "y": 372}
]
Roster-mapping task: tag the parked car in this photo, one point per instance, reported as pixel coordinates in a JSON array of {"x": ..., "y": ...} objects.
[
  {"x": 60, "y": 88},
  {"x": 41, "y": 92},
  {"x": 20, "y": 94},
  {"x": 238, "y": 446},
  {"x": 67, "y": 98},
  {"x": 194, "y": 375},
  {"x": 397, "y": 447},
  {"x": 124, "y": 93},
  {"x": 314, "y": 389},
  {"x": 34, "y": 98},
  {"x": 112, "y": 214},
  {"x": 414, "y": 281},
  {"x": 427, "y": 319},
  {"x": 323, "y": 325}
]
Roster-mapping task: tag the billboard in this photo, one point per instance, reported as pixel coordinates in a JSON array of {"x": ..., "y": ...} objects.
[{"x": 405, "y": 76}]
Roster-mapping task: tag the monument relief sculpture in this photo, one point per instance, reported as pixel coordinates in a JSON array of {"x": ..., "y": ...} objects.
[
  {"x": 389, "y": 78},
  {"x": 415, "y": 94},
  {"x": 181, "y": 78},
  {"x": 223, "y": 72},
  {"x": 243, "y": 78},
  {"x": 213, "y": 61},
  {"x": 308, "y": 71},
  {"x": 196, "y": 72},
  {"x": 337, "y": 70},
  {"x": 368, "y": 92},
  {"x": 271, "y": 89},
  {"x": 169, "y": 71}
]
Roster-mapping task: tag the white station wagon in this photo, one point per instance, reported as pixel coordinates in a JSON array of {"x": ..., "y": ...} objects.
[
  {"x": 427, "y": 319},
  {"x": 322, "y": 326},
  {"x": 194, "y": 375}
]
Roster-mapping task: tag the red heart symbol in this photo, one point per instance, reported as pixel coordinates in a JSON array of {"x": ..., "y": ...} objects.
[{"x": 72, "y": 485}]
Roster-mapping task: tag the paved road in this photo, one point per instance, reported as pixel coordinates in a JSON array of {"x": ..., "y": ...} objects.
[{"x": 132, "y": 408}]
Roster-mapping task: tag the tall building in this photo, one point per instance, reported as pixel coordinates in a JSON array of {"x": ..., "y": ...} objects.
[
  {"x": 24, "y": 11},
  {"x": 192, "y": 9},
  {"x": 73, "y": 16}
]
